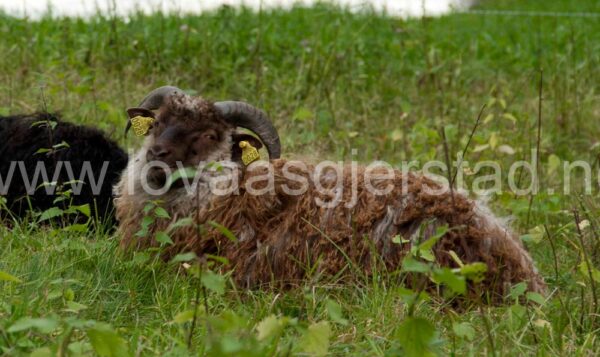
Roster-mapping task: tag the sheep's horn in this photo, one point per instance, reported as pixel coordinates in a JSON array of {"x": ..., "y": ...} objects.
[
  {"x": 157, "y": 97},
  {"x": 246, "y": 116},
  {"x": 154, "y": 100}
]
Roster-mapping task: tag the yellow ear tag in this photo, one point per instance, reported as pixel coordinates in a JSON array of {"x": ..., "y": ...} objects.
[
  {"x": 249, "y": 153},
  {"x": 141, "y": 125}
]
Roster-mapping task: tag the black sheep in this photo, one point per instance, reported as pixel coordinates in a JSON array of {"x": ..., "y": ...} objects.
[{"x": 24, "y": 144}]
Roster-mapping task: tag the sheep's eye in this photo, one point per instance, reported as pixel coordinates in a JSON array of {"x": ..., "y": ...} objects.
[{"x": 210, "y": 137}]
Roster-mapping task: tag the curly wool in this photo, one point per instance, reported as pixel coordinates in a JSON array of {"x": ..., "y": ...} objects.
[
  {"x": 20, "y": 141},
  {"x": 285, "y": 239}
]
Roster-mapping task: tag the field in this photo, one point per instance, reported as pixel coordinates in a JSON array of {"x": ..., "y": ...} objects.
[{"x": 332, "y": 81}]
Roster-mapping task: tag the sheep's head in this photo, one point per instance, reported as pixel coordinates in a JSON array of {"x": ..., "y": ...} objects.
[{"x": 187, "y": 131}]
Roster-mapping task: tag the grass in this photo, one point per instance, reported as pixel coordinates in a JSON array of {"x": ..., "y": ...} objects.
[{"x": 332, "y": 81}]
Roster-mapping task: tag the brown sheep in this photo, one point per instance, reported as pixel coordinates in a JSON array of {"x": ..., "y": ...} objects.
[{"x": 281, "y": 235}]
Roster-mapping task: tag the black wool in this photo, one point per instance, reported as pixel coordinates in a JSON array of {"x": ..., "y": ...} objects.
[{"x": 22, "y": 137}]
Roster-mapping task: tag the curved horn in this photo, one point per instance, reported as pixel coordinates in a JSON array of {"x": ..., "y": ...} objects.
[
  {"x": 154, "y": 100},
  {"x": 246, "y": 116},
  {"x": 157, "y": 97}
]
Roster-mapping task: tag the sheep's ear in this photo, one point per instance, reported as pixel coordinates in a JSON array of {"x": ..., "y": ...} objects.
[
  {"x": 236, "y": 151},
  {"x": 138, "y": 112}
]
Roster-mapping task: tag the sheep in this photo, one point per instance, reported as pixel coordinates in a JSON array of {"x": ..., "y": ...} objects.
[
  {"x": 82, "y": 159},
  {"x": 282, "y": 235}
]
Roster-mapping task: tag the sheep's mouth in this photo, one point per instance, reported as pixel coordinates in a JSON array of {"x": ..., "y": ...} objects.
[{"x": 158, "y": 178}]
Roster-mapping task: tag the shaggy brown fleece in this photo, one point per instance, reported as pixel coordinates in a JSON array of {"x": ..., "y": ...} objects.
[{"x": 284, "y": 238}]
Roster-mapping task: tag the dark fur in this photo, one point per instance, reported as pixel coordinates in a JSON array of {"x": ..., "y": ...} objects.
[
  {"x": 19, "y": 141},
  {"x": 285, "y": 239}
]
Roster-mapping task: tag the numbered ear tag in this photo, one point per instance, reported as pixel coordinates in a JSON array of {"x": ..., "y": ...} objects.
[
  {"x": 141, "y": 125},
  {"x": 249, "y": 153}
]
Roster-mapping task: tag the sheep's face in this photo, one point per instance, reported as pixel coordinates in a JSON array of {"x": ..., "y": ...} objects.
[{"x": 187, "y": 132}]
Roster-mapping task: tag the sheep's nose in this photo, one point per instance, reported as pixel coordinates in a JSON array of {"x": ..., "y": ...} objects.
[{"x": 159, "y": 152}]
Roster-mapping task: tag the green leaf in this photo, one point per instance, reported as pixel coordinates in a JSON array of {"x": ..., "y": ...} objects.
[
  {"x": 583, "y": 269},
  {"x": 409, "y": 264},
  {"x": 480, "y": 148},
  {"x": 535, "y": 297},
  {"x": 397, "y": 239},
  {"x": 147, "y": 221},
  {"x": 84, "y": 209},
  {"x": 409, "y": 296},
  {"x": 224, "y": 231},
  {"x": 213, "y": 281},
  {"x": 488, "y": 118},
  {"x": 4, "y": 276},
  {"x": 335, "y": 312},
  {"x": 493, "y": 140},
  {"x": 418, "y": 337},
  {"x": 80, "y": 348},
  {"x": 42, "y": 151},
  {"x": 217, "y": 258},
  {"x": 510, "y": 117},
  {"x": 160, "y": 212},
  {"x": 519, "y": 312},
  {"x": 148, "y": 207},
  {"x": 69, "y": 294},
  {"x": 474, "y": 271},
  {"x": 426, "y": 255},
  {"x": 518, "y": 290},
  {"x": 163, "y": 238},
  {"x": 183, "y": 222},
  {"x": 54, "y": 294},
  {"x": 73, "y": 306},
  {"x": 397, "y": 135},
  {"x": 464, "y": 330},
  {"x": 184, "y": 257},
  {"x": 454, "y": 281},
  {"x": 106, "y": 342},
  {"x": 535, "y": 235},
  {"x": 429, "y": 243},
  {"x": 316, "y": 339},
  {"x": 456, "y": 259},
  {"x": 185, "y": 316},
  {"x": 302, "y": 114},
  {"x": 42, "y": 352},
  {"x": 553, "y": 163},
  {"x": 43, "y": 325},
  {"x": 61, "y": 145},
  {"x": 50, "y": 213},
  {"x": 140, "y": 258},
  {"x": 271, "y": 326},
  {"x": 231, "y": 345},
  {"x": 78, "y": 228},
  {"x": 506, "y": 149},
  {"x": 423, "y": 250}
]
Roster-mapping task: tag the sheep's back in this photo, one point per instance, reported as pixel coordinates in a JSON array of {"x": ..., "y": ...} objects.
[
  {"x": 20, "y": 141},
  {"x": 286, "y": 239}
]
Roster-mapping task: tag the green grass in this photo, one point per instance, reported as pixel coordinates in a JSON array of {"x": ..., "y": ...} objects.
[{"x": 332, "y": 81}]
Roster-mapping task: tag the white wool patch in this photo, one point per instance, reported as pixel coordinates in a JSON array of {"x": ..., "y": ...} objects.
[
  {"x": 488, "y": 219},
  {"x": 187, "y": 102},
  {"x": 131, "y": 185}
]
